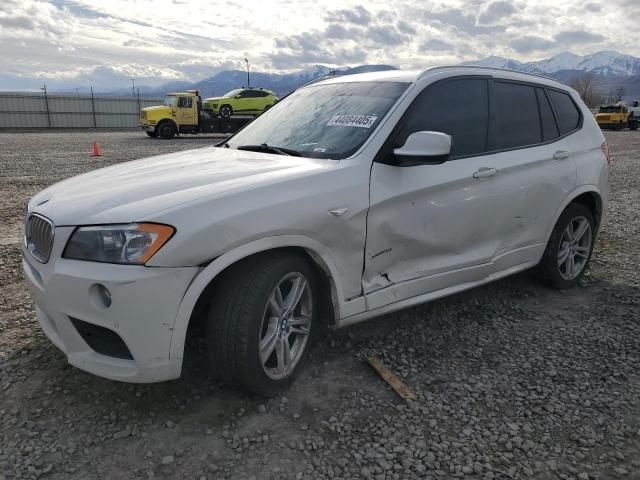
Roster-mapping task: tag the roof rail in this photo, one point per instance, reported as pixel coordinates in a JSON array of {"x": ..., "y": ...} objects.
[{"x": 480, "y": 67}]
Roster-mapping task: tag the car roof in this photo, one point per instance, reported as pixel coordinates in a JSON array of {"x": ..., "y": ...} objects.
[{"x": 412, "y": 76}]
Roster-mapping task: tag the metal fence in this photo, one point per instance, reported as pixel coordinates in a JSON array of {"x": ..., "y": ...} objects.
[{"x": 42, "y": 110}]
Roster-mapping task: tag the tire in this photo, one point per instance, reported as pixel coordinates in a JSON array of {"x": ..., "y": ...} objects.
[
  {"x": 167, "y": 130},
  {"x": 552, "y": 270},
  {"x": 225, "y": 111},
  {"x": 633, "y": 125},
  {"x": 243, "y": 316},
  {"x": 153, "y": 134}
]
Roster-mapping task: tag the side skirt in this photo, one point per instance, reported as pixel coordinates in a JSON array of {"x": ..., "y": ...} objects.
[{"x": 427, "y": 297}]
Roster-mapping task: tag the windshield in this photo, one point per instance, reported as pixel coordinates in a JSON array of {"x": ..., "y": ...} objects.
[
  {"x": 170, "y": 100},
  {"x": 232, "y": 93},
  {"x": 610, "y": 109},
  {"x": 323, "y": 121}
]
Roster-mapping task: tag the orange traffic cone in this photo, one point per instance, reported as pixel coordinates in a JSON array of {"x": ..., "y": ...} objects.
[{"x": 96, "y": 150}]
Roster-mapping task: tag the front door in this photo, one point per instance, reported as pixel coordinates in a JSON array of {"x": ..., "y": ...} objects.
[{"x": 185, "y": 113}]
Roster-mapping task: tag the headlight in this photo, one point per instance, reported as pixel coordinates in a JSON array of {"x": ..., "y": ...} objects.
[{"x": 129, "y": 244}]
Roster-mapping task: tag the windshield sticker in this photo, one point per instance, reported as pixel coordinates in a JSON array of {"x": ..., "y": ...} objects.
[{"x": 361, "y": 121}]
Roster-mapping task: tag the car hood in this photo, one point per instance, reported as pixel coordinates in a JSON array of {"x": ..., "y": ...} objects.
[
  {"x": 135, "y": 191},
  {"x": 157, "y": 108}
]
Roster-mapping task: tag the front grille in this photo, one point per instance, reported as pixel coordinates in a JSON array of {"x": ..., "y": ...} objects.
[
  {"x": 38, "y": 232},
  {"x": 604, "y": 118},
  {"x": 102, "y": 340},
  {"x": 143, "y": 115}
]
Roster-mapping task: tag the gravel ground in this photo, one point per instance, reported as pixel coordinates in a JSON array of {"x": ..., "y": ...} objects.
[{"x": 513, "y": 380}]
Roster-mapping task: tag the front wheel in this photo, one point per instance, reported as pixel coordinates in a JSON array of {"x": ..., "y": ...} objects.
[
  {"x": 153, "y": 134},
  {"x": 167, "y": 130},
  {"x": 569, "y": 248},
  {"x": 260, "y": 322}
]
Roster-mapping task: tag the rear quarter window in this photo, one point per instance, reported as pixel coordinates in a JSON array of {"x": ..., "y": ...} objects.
[{"x": 566, "y": 111}]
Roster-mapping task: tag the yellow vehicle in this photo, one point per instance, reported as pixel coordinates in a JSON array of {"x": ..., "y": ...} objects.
[
  {"x": 182, "y": 112},
  {"x": 616, "y": 117}
]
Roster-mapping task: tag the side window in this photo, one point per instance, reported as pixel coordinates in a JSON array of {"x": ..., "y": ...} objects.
[
  {"x": 549, "y": 126},
  {"x": 517, "y": 120},
  {"x": 458, "y": 107},
  {"x": 185, "y": 102},
  {"x": 261, "y": 94},
  {"x": 245, "y": 94},
  {"x": 566, "y": 111}
]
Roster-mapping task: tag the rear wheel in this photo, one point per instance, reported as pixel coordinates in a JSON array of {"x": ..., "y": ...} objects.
[
  {"x": 225, "y": 111},
  {"x": 260, "y": 323},
  {"x": 569, "y": 248},
  {"x": 167, "y": 130}
]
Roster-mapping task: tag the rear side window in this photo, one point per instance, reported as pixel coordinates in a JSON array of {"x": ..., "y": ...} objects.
[
  {"x": 548, "y": 121},
  {"x": 566, "y": 111},
  {"x": 517, "y": 119},
  {"x": 459, "y": 108}
]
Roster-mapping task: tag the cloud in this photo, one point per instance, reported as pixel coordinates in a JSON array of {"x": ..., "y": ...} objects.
[
  {"x": 459, "y": 20},
  {"x": 531, "y": 43},
  {"x": 84, "y": 41},
  {"x": 436, "y": 45},
  {"x": 496, "y": 11},
  {"x": 358, "y": 15},
  {"x": 386, "y": 36},
  {"x": 572, "y": 37}
]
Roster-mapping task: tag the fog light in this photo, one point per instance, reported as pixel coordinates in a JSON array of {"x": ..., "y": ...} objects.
[{"x": 100, "y": 296}]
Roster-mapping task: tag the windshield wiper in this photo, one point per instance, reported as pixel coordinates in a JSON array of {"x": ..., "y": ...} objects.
[{"x": 263, "y": 147}]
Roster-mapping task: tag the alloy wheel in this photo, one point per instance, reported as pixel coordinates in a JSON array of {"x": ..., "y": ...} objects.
[
  {"x": 575, "y": 247},
  {"x": 286, "y": 325}
]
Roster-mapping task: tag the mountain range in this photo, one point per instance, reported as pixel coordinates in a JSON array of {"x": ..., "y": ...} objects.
[{"x": 609, "y": 70}]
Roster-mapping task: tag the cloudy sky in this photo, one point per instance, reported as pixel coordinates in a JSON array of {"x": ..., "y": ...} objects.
[{"x": 75, "y": 43}]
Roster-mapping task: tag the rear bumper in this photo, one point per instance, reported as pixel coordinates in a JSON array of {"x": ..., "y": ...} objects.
[{"x": 144, "y": 304}]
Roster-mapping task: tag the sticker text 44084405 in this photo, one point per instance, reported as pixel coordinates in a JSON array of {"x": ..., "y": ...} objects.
[{"x": 362, "y": 121}]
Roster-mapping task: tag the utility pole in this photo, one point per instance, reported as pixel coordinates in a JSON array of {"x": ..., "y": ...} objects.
[
  {"x": 133, "y": 86},
  {"x": 93, "y": 108},
  {"x": 46, "y": 102},
  {"x": 248, "y": 82}
]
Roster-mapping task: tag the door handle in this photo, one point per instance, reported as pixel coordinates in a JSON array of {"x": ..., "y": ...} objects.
[
  {"x": 561, "y": 155},
  {"x": 485, "y": 172}
]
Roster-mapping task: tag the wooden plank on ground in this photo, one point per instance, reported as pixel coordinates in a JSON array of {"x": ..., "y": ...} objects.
[{"x": 389, "y": 377}]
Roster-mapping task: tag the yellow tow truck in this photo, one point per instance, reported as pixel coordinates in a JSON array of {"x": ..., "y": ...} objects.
[
  {"x": 616, "y": 117},
  {"x": 182, "y": 112}
]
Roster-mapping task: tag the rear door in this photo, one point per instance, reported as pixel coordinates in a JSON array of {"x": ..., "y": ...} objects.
[{"x": 531, "y": 154}]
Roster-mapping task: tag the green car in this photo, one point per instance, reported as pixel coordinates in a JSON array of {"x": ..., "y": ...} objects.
[{"x": 243, "y": 101}]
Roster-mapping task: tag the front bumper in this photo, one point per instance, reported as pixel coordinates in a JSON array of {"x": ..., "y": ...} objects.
[
  {"x": 147, "y": 127},
  {"x": 611, "y": 125},
  {"x": 144, "y": 304}
]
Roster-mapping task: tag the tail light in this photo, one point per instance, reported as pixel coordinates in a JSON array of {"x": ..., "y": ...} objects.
[{"x": 607, "y": 152}]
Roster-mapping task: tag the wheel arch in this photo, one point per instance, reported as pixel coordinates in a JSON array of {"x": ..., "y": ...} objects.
[
  {"x": 587, "y": 195},
  {"x": 166, "y": 120},
  {"x": 198, "y": 292}
]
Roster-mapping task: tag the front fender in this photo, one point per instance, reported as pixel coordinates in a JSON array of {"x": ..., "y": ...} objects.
[{"x": 318, "y": 251}]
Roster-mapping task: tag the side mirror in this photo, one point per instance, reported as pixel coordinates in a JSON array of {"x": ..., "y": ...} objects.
[
  {"x": 237, "y": 97},
  {"x": 424, "y": 148}
]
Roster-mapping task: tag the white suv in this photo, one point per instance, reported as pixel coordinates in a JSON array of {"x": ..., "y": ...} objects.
[{"x": 352, "y": 198}]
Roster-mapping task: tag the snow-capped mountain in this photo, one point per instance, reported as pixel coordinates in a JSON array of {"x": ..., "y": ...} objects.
[{"x": 605, "y": 63}]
